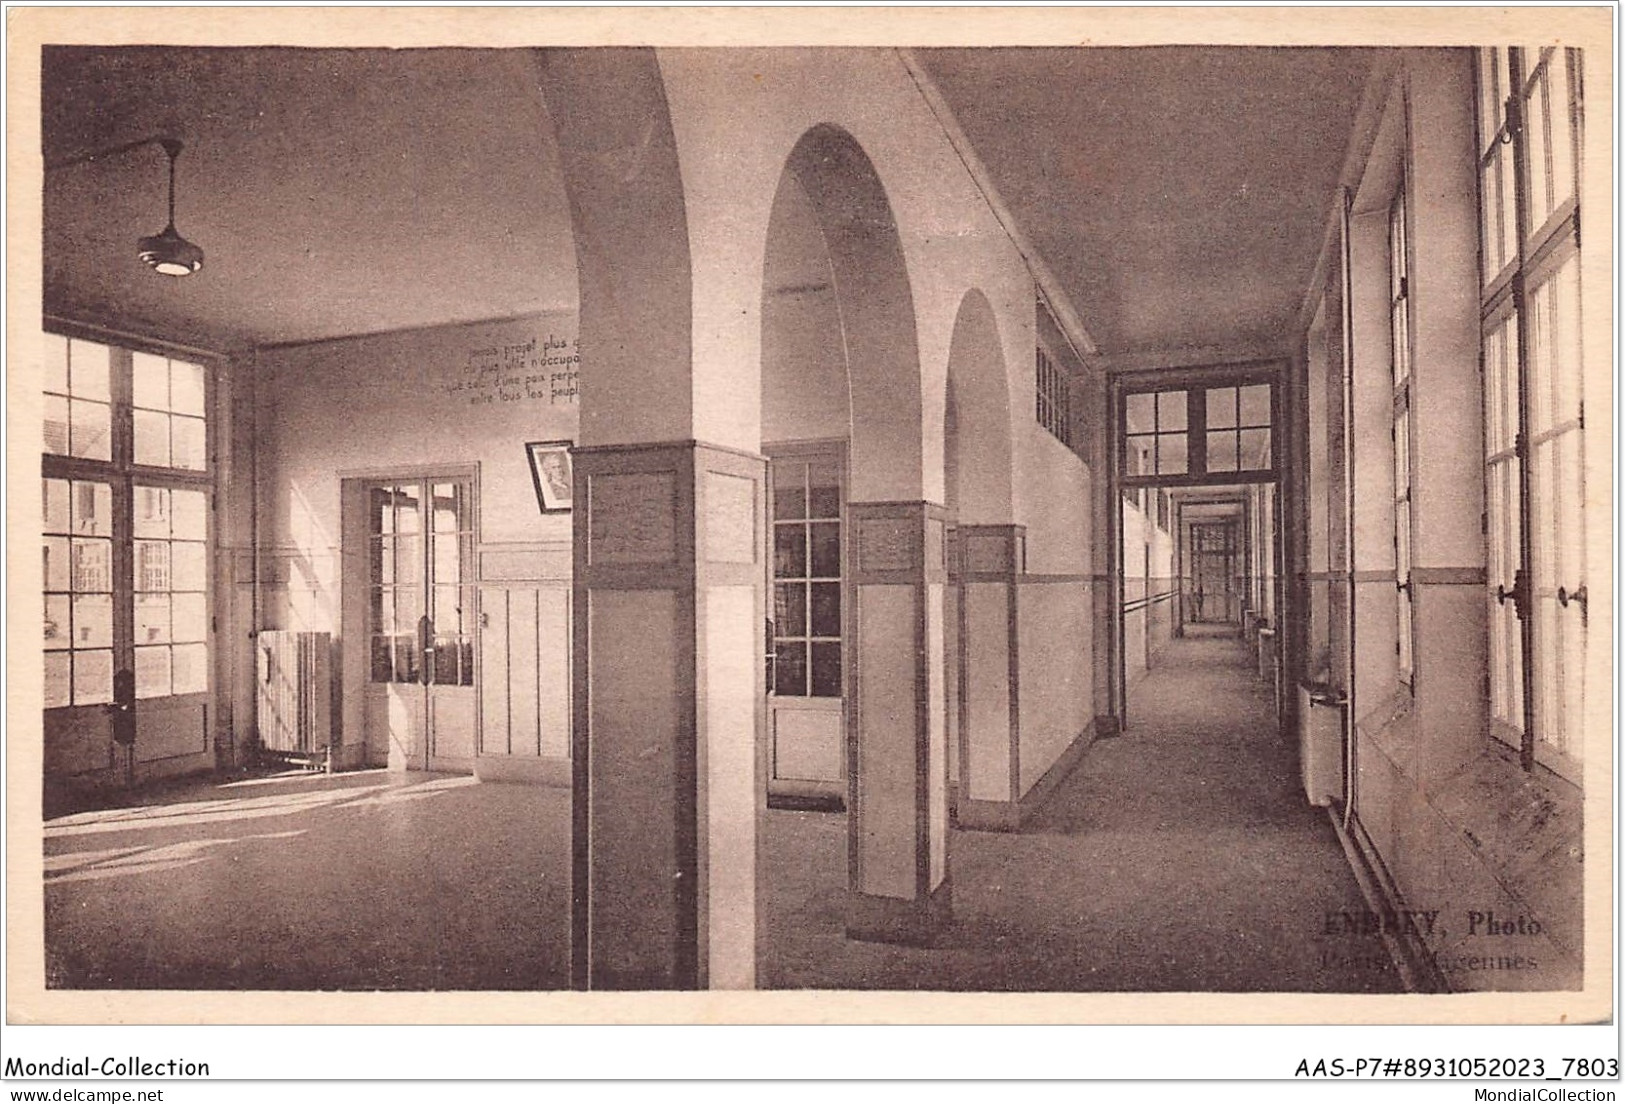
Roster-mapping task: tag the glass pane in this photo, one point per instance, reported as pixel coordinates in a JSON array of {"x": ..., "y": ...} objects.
[
  {"x": 408, "y": 608},
  {"x": 152, "y": 565},
  {"x": 151, "y": 438},
  {"x": 381, "y": 517},
  {"x": 152, "y": 619},
  {"x": 149, "y": 381},
  {"x": 448, "y": 558},
  {"x": 191, "y": 514},
  {"x": 383, "y": 610},
  {"x": 826, "y": 609},
  {"x": 826, "y": 550},
  {"x": 1566, "y": 364},
  {"x": 790, "y": 551},
  {"x": 92, "y": 565},
  {"x": 92, "y": 677},
  {"x": 190, "y": 566},
  {"x": 152, "y": 512},
  {"x": 1171, "y": 454},
  {"x": 448, "y": 609},
  {"x": 87, "y": 370},
  {"x": 54, "y": 496},
  {"x": 790, "y": 669},
  {"x": 406, "y": 657},
  {"x": 790, "y": 609},
  {"x": 1537, "y": 120},
  {"x": 447, "y": 666},
  {"x": 1539, "y": 368},
  {"x": 93, "y": 620},
  {"x": 57, "y": 625},
  {"x": 190, "y": 667},
  {"x": 1255, "y": 405},
  {"x": 187, "y": 390},
  {"x": 1562, "y": 133},
  {"x": 57, "y": 576},
  {"x": 54, "y": 363},
  {"x": 447, "y": 507},
  {"x": 826, "y": 669},
  {"x": 824, "y": 490},
  {"x": 1171, "y": 410},
  {"x": 92, "y": 511},
  {"x": 1509, "y": 205},
  {"x": 88, "y": 430},
  {"x": 1221, "y": 408},
  {"x": 152, "y": 672},
  {"x": 789, "y": 490},
  {"x": 407, "y": 515},
  {"x": 1221, "y": 451},
  {"x": 408, "y": 563},
  {"x": 56, "y": 425},
  {"x": 1255, "y": 449},
  {"x": 383, "y": 659},
  {"x": 58, "y": 671},
  {"x": 1142, "y": 413},
  {"x": 191, "y": 618},
  {"x": 1136, "y": 454},
  {"x": 189, "y": 441}
]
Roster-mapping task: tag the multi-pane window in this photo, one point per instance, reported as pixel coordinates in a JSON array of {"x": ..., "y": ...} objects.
[
  {"x": 78, "y": 399},
  {"x": 1157, "y": 429},
  {"x": 807, "y": 578},
  {"x": 1399, "y": 328},
  {"x": 1198, "y": 431},
  {"x": 125, "y": 528},
  {"x": 167, "y": 399},
  {"x": 1530, "y": 128},
  {"x": 420, "y": 548},
  {"x": 78, "y": 539},
  {"x": 1238, "y": 428},
  {"x": 1054, "y": 407},
  {"x": 171, "y": 591}
]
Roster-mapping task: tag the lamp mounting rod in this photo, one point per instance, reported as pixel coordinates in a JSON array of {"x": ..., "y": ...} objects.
[{"x": 171, "y": 146}]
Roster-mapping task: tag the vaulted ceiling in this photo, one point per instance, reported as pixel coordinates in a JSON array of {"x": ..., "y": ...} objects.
[{"x": 1179, "y": 194}]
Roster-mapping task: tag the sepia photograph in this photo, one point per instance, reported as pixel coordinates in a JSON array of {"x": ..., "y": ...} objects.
[{"x": 1118, "y": 512}]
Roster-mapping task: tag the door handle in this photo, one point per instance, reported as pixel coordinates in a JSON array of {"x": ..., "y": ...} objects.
[{"x": 1578, "y": 595}]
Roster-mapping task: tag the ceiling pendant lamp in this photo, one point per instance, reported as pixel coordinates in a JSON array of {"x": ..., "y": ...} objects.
[{"x": 167, "y": 252}]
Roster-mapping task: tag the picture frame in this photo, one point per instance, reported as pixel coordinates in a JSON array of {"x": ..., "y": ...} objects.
[{"x": 552, "y": 474}]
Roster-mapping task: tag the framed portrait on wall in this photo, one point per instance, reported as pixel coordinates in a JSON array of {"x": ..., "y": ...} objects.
[{"x": 550, "y": 470}]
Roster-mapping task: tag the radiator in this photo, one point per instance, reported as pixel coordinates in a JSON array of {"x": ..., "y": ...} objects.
[
  {"x": 1320, "y": 744},
  {"x": 295, "y": 702}
]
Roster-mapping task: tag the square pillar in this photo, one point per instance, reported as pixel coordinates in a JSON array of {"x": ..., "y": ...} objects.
[
  {"x": 897, "y": 724},
  {"x": 990, "y": 677},
  {"x": 669, "y": 592}
]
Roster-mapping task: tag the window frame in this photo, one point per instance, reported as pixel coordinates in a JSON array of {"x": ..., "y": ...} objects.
[{"x": 124, "y": 477}]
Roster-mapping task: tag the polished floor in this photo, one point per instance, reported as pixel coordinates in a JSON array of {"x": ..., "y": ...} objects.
[{"x": 1178, "y": 856}]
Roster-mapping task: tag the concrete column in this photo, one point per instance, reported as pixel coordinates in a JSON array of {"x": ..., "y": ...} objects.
[
  {"x": 990, "y": 683},
  {"x": 669, "y": 606},
  {"x": 1447, "y": 448},
  {"x": 896, "y": 724}
]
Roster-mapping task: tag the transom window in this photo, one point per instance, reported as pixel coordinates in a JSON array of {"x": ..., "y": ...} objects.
[
  {"x": 1399, "y": 328},
  {"x": 1054, "y": 403},
  {"x": 1190, "y": 433}
]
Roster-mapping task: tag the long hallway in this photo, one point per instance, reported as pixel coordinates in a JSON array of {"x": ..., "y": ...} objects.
[{"x": 1179, "y": 856}]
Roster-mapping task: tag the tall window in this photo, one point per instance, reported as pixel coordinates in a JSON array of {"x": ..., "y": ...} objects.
[
  {"x": 126, "y": 491},
  {"x": 1399, "y": 319},
  {"x": 1530, "y": 130}
]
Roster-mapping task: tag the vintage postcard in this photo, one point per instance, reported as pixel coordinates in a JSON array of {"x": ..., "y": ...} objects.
[{"x": 989, "y": 515}]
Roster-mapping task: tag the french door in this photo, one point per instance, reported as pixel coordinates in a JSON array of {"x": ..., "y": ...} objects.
[{"x": 421, "y": 695}]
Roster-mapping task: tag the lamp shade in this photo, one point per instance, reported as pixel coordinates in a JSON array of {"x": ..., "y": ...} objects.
[{"x": 169, "y": 253}]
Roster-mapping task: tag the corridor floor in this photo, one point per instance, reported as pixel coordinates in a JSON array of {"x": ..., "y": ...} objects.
[{"x": 1179, "y": 856}]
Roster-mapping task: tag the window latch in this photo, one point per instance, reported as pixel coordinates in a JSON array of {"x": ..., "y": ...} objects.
[
  {"x": 1576, "y": 596},
  {"x": 1519, "y": 593}
]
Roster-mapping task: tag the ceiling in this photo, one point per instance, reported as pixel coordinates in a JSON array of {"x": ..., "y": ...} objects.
[
  {"x": 1179, "y": 194},
  {"x": 333, "y": 191}
]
